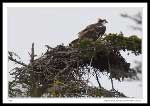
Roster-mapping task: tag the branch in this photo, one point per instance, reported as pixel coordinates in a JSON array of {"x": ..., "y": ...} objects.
[
  {"x": 48, "y": 47},
  {"x": 136, "y": 28},
  {"x": 19, "y": 62},
  {"x": 97, "y": 79},
  {"x": 138, "y": 21},
  {"x": 32, "y": 53}
]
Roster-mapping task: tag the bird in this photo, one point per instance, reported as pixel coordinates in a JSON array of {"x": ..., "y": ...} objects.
[{"x": 94, "y": 31}]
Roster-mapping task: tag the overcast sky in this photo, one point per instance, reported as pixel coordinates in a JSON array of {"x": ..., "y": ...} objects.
[{"x": 53, "y": 26}]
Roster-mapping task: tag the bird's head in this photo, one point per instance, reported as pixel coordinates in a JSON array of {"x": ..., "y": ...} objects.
[{"x": 102, "y": 21}]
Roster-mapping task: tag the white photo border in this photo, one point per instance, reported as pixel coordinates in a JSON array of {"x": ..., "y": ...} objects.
[{"x": 6, "y": 99}]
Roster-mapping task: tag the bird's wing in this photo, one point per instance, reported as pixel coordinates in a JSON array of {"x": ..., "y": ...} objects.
[
  {"x": 87, "y": 28},
  {"x": 101, "y": 29}
]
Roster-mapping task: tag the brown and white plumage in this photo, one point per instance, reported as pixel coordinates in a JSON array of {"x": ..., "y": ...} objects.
[{"x": 93, "y": 31}]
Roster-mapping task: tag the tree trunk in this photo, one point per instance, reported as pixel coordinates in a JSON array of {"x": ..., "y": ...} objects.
[
  {"x": 34, "y": 92},
  {"x": 110, "y": 74},
  {"x": 97, "y": 79},
  {"x": 112, "y": 82}
]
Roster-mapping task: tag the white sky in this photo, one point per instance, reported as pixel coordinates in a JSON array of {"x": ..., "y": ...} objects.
[{"x": 53, "y": 26}]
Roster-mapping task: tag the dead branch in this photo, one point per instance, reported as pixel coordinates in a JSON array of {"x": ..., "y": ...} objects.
[
  {"x": 32, "y": 53},
  {"x": 16, "y": 61}
]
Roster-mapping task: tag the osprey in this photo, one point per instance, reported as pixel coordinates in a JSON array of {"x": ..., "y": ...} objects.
[{"x": 93, "y": 31}]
